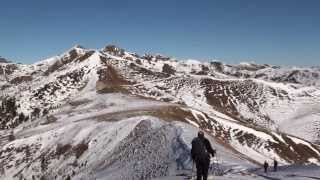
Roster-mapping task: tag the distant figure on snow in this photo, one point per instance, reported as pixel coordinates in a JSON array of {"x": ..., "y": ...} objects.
[
  {"x": 200, "y": 153},
  {"x": 275, "y": 165},
  {"x": 265, "y": 165}
]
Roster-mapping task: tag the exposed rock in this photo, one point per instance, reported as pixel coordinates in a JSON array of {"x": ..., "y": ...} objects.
[
  {"x": 166, "y": 68},
  {"x": 113, "y": 50}
]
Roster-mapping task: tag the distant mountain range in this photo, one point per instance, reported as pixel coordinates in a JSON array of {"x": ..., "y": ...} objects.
[
  {"x": 104, "y": 113},
  {"x": 3, "y": 60}
]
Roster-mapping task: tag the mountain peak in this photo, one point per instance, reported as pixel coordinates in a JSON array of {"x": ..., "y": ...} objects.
[
  {"x": 78, "y": 46},
  {"x": 76, "y": 50},
  {"x": 114, "y": 50}
]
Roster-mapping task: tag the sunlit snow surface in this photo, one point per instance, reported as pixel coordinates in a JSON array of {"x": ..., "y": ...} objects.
[{"x": 115, "y": 148}]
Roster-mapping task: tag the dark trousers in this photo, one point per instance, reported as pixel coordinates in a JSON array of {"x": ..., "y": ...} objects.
[{"x": 202, "y": 165}]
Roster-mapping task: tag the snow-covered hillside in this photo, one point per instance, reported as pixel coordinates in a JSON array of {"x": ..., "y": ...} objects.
[{"x": 111, "y": 114}]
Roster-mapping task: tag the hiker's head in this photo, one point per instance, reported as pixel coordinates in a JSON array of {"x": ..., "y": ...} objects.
[{"x": 201, "y": 134}]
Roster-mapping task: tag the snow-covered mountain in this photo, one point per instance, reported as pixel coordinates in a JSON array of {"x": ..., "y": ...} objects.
[
  {"x": 112, "y": 114},
  {"x": 3, "y": 60}
]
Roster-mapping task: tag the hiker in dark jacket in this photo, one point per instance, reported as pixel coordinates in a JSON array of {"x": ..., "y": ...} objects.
[
  {"x": 275, "y": 165},
  {"x": 265, "y": 165},
  {"x": 200, "y": 153}
]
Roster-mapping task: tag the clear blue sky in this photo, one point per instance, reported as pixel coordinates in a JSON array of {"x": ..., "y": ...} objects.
[{"x": 284, "y": 32}]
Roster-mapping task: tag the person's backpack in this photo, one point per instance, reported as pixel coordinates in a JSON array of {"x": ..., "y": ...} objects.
[{"x": 198, "y": 148}]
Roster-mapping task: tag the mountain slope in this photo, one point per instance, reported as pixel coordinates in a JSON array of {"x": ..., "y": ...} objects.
[{"x": 97, "y": 113}]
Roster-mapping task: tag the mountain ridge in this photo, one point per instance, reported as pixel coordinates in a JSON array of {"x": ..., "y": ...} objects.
[{"x": 248, "y": 110}]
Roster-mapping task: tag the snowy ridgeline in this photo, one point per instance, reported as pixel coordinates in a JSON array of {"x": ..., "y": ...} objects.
[
  {"x": 97, "y": 140},
  {"x": 82, "y": 146},
  {"x": 135, "y": 148}
]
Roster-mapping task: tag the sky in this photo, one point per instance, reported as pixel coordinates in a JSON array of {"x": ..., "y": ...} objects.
[{"x": 280, "y": 32}]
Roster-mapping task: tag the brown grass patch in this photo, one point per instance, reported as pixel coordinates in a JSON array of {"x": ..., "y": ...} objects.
[
  {"x": 110, "y": 81},
  {"x": 168, "y": 113},
  {"x": 68, "y": 149},
  {"x": 79, "y": 149},
  {"x": 62, "y": 149}
]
